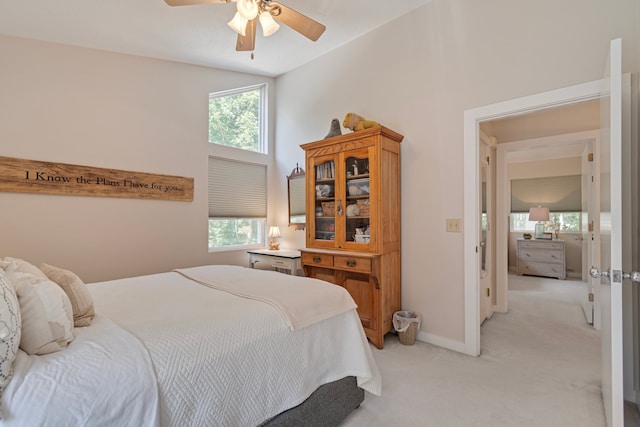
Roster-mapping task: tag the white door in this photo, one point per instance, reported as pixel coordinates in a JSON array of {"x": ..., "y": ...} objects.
[
  {"x": 590, "y": 228},
  {"x": 610, "y": 289},
  {"x": 487, "y": 269}
]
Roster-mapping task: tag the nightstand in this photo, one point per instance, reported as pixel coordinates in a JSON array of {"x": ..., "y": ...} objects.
[{"x": 283, "y": 258}]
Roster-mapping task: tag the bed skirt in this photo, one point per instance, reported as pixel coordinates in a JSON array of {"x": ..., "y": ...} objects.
[{"x": 328, "y": 406}]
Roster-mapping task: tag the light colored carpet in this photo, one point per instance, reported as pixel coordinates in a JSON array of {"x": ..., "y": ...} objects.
[{"x": 540, "y": 366}]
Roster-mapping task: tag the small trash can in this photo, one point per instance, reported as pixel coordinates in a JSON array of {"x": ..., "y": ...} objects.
[{"x": 407, "y": 324}]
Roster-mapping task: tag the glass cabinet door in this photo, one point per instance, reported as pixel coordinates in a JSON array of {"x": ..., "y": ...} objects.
[
  {"x": 325, "y": 205},
  {"x": 357, "y": 216}
]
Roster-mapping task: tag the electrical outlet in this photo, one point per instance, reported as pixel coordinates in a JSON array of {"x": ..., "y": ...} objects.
[{"x": 454, "y": 225}]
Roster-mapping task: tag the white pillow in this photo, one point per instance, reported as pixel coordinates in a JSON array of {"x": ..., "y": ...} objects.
[
  {"x": 9, "y": 329},
  {"x": 76, "y": 290},
  {"x": 23, "y": 266},
  {"x": 45, "y": 309}
]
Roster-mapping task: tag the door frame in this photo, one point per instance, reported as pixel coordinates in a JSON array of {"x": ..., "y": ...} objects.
[{"x": 472, "y": 119}]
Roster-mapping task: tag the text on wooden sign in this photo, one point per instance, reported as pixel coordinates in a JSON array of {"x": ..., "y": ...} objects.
[{"x": 33, "y": 176}]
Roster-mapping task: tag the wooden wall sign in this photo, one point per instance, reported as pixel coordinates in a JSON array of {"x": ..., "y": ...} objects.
[{"x": 32, "y": 176}]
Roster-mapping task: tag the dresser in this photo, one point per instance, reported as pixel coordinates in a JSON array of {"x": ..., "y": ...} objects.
[
  {"x": 353, "y": 221},
  {"x": 541, "y": 258}
]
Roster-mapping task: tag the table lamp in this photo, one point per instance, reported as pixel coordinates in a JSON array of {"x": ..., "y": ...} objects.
[
  {"x": 541, "y": 215},
  {"x": 274, "y": 234}
]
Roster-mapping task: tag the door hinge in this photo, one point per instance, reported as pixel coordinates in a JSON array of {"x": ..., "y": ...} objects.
[
  {"x": 488, "y": 292},
  {"x": 590, "y": 157},
  {"x": 590, "y": 297},
  {"x": 591, "y": 226}
]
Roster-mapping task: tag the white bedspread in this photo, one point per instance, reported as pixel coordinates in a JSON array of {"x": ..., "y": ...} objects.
[
  {"x": 224, "y": 360},
  {"x": 89, "y": 383},
  {"x": 316, "y": 301}
]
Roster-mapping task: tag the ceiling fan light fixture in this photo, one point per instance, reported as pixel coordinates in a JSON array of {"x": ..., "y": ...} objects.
[
  {"x": 239, "y": 24},
  {"x": 269, "y": 25},
  {"x": 248, "y": 9}
]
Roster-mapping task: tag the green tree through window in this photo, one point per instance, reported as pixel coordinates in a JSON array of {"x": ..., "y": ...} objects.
[{"x": 234, "y": 119}]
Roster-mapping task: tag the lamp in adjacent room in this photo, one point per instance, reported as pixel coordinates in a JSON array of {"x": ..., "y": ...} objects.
[
  {"x": 274, "y": 234},
  {"x": 541, "y": 215}
]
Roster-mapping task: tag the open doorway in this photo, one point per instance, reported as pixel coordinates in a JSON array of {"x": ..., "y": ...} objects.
[
  {"x": 546, "y": 158},
  {"x": 472, "y": 119}
]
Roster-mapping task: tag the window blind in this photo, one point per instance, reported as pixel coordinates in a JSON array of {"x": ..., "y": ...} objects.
[
  {"x": 558, "y": 193},
  {"x": 237, "y": 189}
]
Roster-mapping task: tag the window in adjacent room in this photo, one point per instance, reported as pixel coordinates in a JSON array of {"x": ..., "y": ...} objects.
[
  {"x": 561, "y": 194},
  {"x": 568, "y": 222},
  {"x": 236, "y": 118},
  {"x": 237, "y": 204}
]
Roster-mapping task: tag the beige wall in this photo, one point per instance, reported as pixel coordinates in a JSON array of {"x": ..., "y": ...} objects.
[
  {"x": 417, "y": 76},
  {"x": 88, "y": 107}
]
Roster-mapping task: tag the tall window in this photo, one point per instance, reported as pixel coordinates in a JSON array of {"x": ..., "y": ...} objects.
[
  {"x": 238, "y": 189},
  {"x": 237, "y": 203},
  {"x": 236, "y": 118}
]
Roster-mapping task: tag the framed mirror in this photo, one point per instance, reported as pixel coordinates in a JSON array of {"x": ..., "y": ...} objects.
[{"x": 296, "y": 187}]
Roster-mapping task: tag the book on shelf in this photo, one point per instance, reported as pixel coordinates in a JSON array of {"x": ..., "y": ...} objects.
[{"x": 325, "y": 170}]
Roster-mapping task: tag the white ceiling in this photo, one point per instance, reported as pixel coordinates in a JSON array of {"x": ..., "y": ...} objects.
[{"x": 194, "y": 34}]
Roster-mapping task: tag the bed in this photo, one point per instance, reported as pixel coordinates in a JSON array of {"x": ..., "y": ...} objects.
[{"x": 201, "y": 346}]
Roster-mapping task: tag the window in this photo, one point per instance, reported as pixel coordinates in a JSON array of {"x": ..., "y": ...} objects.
[
  {"x": 237, "y": 189},
  {"x": 236, "y": 118},
  {"x": 237, "y": 204},
  {"x": 561, "y": 194},
  {"x": 568, "y": 222}
]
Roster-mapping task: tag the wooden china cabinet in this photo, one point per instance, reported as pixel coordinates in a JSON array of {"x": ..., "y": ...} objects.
[{"x": 353, "y": 221}]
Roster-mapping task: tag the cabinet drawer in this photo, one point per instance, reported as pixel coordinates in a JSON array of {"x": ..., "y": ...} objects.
[
  {"x": 549, "y": 270},
  {"x": 317, "y": 259},
  {"x": 352, "y": 263},
  {"x": 280, "y": 263},
  {"x": 528, "y": 244},
  {"x": 534, "y": 255}
]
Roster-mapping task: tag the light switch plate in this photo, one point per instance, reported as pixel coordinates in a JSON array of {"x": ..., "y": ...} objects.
[{"x": 454, "y": 225}]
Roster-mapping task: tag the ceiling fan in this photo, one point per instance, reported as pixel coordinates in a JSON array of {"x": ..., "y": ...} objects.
[{"x": 250, "y": 11}]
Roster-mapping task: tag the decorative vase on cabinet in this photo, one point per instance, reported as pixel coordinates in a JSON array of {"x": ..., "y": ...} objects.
[{"x": 353, "y": 221}]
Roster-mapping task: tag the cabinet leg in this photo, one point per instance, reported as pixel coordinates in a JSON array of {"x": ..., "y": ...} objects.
[{"x": 376, "y": 339}]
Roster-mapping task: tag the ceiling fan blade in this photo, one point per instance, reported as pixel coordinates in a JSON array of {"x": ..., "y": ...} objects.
[
  {"x": 190, "y": 2},
  {"x": 297, "y": 21},
  {"x": 247, "y": 42}
]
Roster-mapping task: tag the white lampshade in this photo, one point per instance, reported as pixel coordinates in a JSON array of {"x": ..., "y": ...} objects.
[
  {"x": 539, "y": 214},
  {"x": 239, "y": 24},
  {"x": 248, "y": 9},
  {"x": 269, "y": 25},
  {"x": 274, "y": 231}
]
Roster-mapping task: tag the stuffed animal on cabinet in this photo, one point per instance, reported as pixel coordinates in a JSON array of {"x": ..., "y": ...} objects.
[{"x": 355, "y": 122}]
